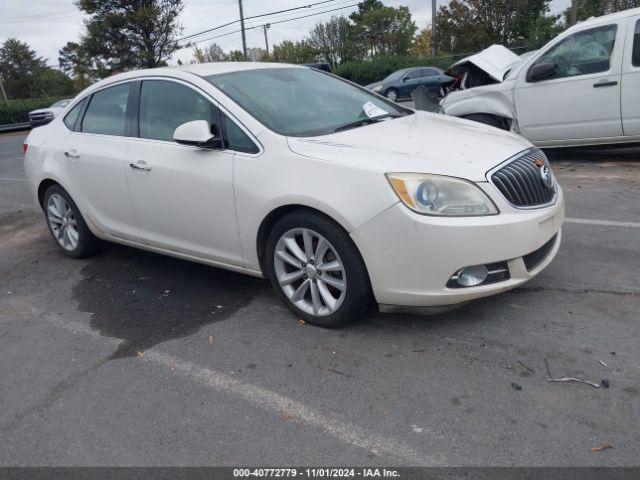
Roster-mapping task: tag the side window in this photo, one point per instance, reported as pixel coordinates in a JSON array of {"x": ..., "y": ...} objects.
[
  {"x": 635, "y": 59},
  {"x": 164, "y": 106},
  {"x": 414, "y": 74},
  {"x": 430, "y": 72},
  {"x": 106, "y": 111},
  {"x": 71, "y": 118},
  {"x": 582, "y": 53},
  {"x": 235, "y": 138}
]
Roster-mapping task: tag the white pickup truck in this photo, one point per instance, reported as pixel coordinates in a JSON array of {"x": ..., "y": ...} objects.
[{"x": 582, "y": 88}]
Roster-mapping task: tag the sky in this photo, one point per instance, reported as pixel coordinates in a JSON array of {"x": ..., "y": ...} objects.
[{"x": 47, "y": 25}]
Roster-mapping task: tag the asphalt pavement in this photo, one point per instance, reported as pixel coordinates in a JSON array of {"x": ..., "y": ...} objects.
[{"x": 131, "y": 358}]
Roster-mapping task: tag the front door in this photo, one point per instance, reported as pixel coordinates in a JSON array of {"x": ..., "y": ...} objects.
[
  {"x": 581, "y": 99},
  {"x": 182, "y": 196},
  {"x": 631, "y": 80}
]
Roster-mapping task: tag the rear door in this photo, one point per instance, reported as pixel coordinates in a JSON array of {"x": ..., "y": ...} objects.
[
  {"x": 582, "y": 98},
  {"x": 430, "y": 79},
  {"x": 96, "y": 154},
  {"x": 631, "y": 79}
]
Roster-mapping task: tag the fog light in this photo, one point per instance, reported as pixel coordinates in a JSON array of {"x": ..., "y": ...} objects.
[{"x": 472, "y": 276}]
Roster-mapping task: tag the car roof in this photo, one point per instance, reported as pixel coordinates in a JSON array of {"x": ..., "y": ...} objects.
[{"x": 200, "y": 69}]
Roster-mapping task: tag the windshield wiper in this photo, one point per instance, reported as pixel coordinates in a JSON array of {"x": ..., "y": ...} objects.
[{"x": 365, "y": 121}]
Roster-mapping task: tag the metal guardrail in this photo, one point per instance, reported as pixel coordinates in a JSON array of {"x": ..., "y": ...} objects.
[{"x": 15, "y": 127}]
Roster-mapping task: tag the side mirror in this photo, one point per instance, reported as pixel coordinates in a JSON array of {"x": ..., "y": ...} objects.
[
  {"x": 405, "y": 79},
  {"x": 541, "y": 70},
  {"x": 197, "y": 133}
]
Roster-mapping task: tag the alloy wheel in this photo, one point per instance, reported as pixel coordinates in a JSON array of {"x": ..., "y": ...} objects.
[
  {"x": 62, "y": 222},
  {"x": 392, "y": 95},
  {"x": 310, "y": 272}
]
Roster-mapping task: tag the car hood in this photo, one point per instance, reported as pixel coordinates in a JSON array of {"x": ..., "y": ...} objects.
[
  {"x": 422, "y": 142},
  {"x": 495, "y": 61}
]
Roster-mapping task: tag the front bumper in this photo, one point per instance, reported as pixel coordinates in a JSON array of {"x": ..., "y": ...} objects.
[{"x": 411, "y": 257}]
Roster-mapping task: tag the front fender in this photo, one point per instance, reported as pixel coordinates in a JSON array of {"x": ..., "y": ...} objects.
[{"x": 486, "y": 99}]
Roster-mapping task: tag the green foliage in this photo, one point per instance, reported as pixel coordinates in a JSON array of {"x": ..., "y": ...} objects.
[
  {"x": 336, "y": 41},
  {"x": 597, "y": 8},
  {"x": 17, "y": 111},
  {"x": 472, "y": 25},
  {"x": 369, "y": 71},
  {"x": 294, "y": 52},
  {"x": 25, "y": 75},
  {"x": 123, "y": 35},
  {"x": 383, "y": 30}
]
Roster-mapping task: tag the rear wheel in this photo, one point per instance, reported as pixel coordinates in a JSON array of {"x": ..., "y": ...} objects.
[
  {"x": 316, "y": 269},
  {"x": 66, "y": 224}
]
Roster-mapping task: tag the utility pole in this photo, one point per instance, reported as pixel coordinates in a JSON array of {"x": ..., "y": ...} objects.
[
  {"x": 4, "y": 94},
  {"x": 433, "y": 27},
  {"x": 266, "y": 38},
  {"x": 574, "y": 12},
  {"x": 244, "y": 38}
]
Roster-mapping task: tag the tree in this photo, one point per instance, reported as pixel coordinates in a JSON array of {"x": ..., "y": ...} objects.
[
  {"x": 335, "y": 41},
  {"x": 471, "y": 25},
  {"x": 127, "y": 34},
  {"x": 421, "y": 45},
  {"x": 294, "y": 52},
  {"x": 75, "y": 60},
  {"x": 383, "y": 30},
  {"x": 20, "y": 68},
  {"x": 235, "y": 56},
  {"x": 597, "y": 8},
  {"x": 212, "y": 53}
]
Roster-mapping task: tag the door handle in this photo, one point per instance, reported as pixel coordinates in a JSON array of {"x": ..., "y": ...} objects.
[
  {"x": 605, "y": 83},
  {"x": 140, "y": 166},
  {"x": 72, "y": 154}
]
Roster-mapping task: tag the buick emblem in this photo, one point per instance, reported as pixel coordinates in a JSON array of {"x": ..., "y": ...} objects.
[{"x": 546, "y": 176}]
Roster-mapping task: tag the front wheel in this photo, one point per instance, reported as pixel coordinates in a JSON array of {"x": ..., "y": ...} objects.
[
  {"x": 316, "y": 269},
  {"x": 392, "y": 94}
]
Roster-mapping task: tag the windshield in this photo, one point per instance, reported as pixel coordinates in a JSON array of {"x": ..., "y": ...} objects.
[
  {"x": 60, "y": 103},
  {"x": 301, "y": 102}
]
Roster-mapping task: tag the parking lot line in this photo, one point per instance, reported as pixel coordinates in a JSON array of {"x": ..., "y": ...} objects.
[
  {"x": 8, "y": 179},
  {"x": 606, "y": 223},
  {"x": 265, "y": 399}
]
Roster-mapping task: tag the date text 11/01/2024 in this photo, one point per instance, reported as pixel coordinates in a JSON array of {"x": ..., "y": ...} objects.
[{"x": 316, "y": 473}]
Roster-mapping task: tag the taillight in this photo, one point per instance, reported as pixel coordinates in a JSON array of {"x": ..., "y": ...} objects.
[{"x": 24, "y": 148}]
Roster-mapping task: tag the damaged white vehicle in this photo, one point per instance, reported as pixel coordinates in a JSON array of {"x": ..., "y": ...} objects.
[{"x": 582, "y": 88}]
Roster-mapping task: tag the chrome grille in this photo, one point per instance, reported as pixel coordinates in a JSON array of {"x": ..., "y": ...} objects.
[{"x": 521, "y": 180}]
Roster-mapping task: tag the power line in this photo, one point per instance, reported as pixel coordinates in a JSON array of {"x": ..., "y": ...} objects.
[
  {"x": 59, "y": 12},
  {"x": 276, "y": 22},
  {"x": 254, "y": 16}
]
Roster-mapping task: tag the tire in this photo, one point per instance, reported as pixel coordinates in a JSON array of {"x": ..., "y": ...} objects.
[
  {"x": 66, "y": 224},
  {"x": 322, "y": 302},
  {"x": 392, "y": 94},
  {"x": 487, "y": 119}
]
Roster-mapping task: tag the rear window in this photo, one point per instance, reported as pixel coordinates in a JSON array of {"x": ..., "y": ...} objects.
[
  {"x": 71, "y": 118},
  {"x": 636, "y": 46},
  {"x": 106, "y": 111}
]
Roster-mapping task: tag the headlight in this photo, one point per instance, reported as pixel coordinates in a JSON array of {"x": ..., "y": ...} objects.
[
  {"x": 377, "y": 88},
  {"x": 439, "y": 195}
]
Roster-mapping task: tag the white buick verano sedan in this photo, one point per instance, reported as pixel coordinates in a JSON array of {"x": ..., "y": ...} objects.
[{"x": 332, "y": 192}]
